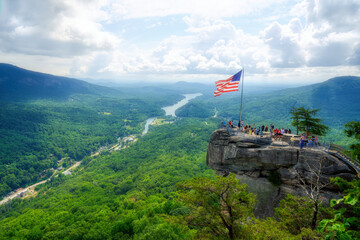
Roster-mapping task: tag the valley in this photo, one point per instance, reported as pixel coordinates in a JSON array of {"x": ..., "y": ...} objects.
[
  {"x": 122, "y": 143},
  {"x": 133, "y": 193}
]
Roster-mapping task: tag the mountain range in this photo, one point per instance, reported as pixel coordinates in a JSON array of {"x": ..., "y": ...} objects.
[
  {"x": 337, "y": 97},
  {"x": 125, "y": 190},
  {"x": 21, "y": 84}
]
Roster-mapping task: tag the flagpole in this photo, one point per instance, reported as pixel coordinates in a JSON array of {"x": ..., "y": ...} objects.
[{"x": 242, "y": 88}]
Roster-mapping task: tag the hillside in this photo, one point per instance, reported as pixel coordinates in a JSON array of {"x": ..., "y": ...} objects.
[
  {"x": 126, "y": 194},
  {"x": 65, "y": 119},
  {"x": 21, "y": 84},
  {"x": 337, "y": 98}
]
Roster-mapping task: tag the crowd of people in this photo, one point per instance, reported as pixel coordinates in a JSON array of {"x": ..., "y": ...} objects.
[
  {"x": 258, "y": 130},
  {"x": 275, "y": 133},
  {"x": 310, "y": 142}
]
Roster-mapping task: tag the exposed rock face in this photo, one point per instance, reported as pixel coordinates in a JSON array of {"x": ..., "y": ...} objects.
[{"x": 256, "y": 160}]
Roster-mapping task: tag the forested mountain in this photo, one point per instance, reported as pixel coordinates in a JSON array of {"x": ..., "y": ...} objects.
[
  {"x": 45, "y": 118},
  {"x": 337, "y": 98},
  {"x": 127, "y": 194},
  {"x": 124, "y": 195},
  {"x": 21, "y": 84}
]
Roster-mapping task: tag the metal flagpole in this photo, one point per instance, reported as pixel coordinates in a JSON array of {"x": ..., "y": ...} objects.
[{"x": 242, "y": 88}]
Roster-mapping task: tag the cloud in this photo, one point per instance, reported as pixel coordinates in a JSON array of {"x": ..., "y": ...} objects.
[
  {"x": 328, "y": 38},
  {"x": 284, "y": 46},
  {"x": 128, "y": 9},
  {"x": 210, "y": 46},
  {"x": 344, "y": 16},
  {"x": 354, "y": 59},
  {"x": 54, "y": 28},
  {"x": 94, "y": 36},
  {"x": 214, "y": 45}
]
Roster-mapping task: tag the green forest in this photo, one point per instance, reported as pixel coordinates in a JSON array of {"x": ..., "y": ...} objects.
[
  {"x": 142, "y": 192},
  {"x": 160, "y": 186},
  {"x": 42, "y": 132}
]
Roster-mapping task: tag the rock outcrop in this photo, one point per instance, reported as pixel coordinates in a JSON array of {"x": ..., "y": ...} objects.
[{"x": 274, "y": 169}]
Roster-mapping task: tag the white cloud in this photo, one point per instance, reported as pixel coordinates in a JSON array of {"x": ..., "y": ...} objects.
[
  {"x": 127, "y": 9},
  {"x": 284, "y": 46},
  {"x": 92, "y": 39},
  {"x": 54, "y": 28},
  {"x": 211, "y": 46},
  {"x": 328, "y": 38},
  {"x": 340, "y": 16},
  {"x": 354, "y": 59}
]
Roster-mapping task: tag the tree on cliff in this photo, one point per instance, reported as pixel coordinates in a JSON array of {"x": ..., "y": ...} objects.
[
  {"x": 352, "y": 129},
  {"x": 312, "y": 188},
  {"x": 304, "y": 120},
  {"x": 296, "y": 118},
  {"x": 219, "y": 208}
]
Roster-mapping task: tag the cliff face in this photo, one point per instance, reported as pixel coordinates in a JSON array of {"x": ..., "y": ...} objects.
[{"x": 273, "y": 169}]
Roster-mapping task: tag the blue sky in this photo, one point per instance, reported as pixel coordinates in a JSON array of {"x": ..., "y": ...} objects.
[{"x": 290, "y": 42}]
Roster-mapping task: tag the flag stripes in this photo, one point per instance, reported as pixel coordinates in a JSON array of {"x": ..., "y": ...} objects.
[{"x": 229, "y": 85}]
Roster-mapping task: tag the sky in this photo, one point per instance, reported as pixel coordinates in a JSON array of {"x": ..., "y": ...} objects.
[{"x": 276, "y": 41}]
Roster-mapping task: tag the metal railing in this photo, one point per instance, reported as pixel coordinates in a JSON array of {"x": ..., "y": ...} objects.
[{"x": 344, "y": 155}]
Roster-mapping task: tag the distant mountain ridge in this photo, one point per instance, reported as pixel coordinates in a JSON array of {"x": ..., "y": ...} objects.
[
  {"x": 337, "y": 98},
  {"x": 339, "y": 85},
  {"x": 21, "y": 84}
]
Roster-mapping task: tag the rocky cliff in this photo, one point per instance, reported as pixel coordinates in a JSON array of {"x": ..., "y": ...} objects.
[{"x": 274, "y": 169}]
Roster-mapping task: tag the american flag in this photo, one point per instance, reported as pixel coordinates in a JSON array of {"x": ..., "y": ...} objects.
[{"x": 229, "y": 85}]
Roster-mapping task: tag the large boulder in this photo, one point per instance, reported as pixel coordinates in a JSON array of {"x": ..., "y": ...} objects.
[{"x": 258, "y": 161}]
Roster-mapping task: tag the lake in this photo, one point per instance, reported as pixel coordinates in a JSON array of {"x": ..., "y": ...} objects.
[{"x": 170, "y": 110}]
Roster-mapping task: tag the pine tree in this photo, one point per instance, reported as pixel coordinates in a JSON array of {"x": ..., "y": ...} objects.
[
  {"x": 304, "y": 120},
  {"x": 295, "y": 112}
]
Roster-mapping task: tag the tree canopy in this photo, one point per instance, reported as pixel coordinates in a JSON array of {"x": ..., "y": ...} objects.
[
  {"x": 352, "y": 129},
  {"x": 218, "y": 207},
  {"x": 304, "y": 120}
]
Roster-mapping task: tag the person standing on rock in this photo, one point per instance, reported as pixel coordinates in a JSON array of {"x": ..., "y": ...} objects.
[
  {"x": 310, "y": 143},
  {"x": 302, "y": 143},
  {"x": 292, "y": 141}
]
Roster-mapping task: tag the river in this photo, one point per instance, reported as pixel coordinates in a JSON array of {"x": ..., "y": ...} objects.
[
  {"x": 147, "y": 124},
  {"x": 170, "y": 110}
]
